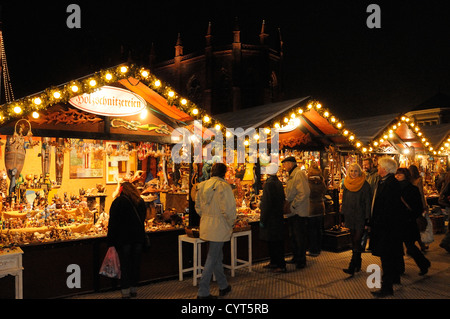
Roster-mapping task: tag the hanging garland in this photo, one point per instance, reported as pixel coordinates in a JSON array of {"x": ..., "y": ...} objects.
[{"x": 62, "y": 94}]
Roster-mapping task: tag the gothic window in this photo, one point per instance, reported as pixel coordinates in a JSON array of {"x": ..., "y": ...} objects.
[
  {"x": 194, "y": 90},
  {"x": 223, "y": 93},
  {"x": 273, "y": 85}
]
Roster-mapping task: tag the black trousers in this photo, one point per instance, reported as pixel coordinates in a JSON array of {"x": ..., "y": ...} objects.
[
  {"x": 276, "y": 253},
  {"x": 412, "y": 250},
  {"x": 130, "y": 262},
  {"x": 391, "y": 270},
  {"x": 298, "y": 234}
]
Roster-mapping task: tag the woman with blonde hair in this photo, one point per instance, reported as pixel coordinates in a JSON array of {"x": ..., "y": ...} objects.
[{"x": 356, "y": 204}]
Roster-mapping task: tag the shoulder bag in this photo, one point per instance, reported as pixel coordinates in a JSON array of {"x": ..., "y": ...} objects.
[
  {"x": 421, "y": 220},
  {"x": 146, "y": 237}
]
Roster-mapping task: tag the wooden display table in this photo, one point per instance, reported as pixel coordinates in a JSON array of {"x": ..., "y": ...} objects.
[{"x": 11, "y": 264}]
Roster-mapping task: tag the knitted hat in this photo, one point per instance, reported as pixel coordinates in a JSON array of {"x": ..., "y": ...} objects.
[{"x": 272, "y": 169}]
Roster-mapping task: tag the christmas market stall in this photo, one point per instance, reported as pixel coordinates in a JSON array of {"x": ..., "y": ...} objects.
[
  {"x": 310, "y": 132},
  {"x": 410, "y": 143},
  {"x": 66, "y": 149}
]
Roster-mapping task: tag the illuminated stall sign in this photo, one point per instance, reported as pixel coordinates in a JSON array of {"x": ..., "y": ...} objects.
[{"x": 110, "y": 101}]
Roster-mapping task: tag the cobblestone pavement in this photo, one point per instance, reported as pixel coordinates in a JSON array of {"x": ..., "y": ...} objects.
[{"x": 322, "y": 278}]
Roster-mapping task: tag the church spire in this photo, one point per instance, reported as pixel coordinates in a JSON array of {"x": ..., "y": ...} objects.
[
  {"x": 263, "y": 35},
  {"x": 281, "y": 43},
  {"x": 179, "y": 46},
  {"x": 236, "y": 32},
  {"x": 208, "y": 35}
]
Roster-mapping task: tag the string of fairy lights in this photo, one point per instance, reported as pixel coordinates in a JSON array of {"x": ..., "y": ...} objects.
[
  {"x": 62, "y": 94},
  {"x": 391, "y": 129},
  {"x": 34, "y": 104},
  {"x": 443, "y": 149}
]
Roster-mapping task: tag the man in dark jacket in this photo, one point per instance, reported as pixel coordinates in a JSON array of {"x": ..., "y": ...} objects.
[
  {"x": 272, "y": 219},
  {"x": 386, "y": 235}
]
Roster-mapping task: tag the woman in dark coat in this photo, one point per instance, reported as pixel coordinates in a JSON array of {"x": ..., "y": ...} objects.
[
  {"x": 356, "y": 202},
  {"x": 413, "y": 208},
  {"x": 272, "y": 220},
  {"x": 318, "y": 190},
  {"x": 126, "y": 232},
  {"x": 386, "y": 235}
]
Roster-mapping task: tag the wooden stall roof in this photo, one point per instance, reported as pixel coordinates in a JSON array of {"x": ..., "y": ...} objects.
[
  {"x": 168, "y": 109},
  {"x": 394, "y": 133},
  {"x": 368, "y": 128},
  {"x": 258, "y": 116},
  {"x": 315, "y": 129},
  {"x": 439, "y": 136}
]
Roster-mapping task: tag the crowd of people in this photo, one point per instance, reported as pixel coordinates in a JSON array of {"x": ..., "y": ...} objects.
[{"x": 380, "y": 201}]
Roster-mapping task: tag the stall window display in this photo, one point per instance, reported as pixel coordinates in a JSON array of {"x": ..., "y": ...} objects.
[
  {"x": 65, "y": 203},
  {"x": 38, "y": 208}
]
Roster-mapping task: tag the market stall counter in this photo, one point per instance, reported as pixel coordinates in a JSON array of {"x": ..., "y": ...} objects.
[{"x": 47, "y": 273}]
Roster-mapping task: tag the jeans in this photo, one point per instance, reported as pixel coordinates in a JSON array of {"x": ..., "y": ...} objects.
[
  {"x": 298, "y": 235},
  {"x": 213, "y": 265},
  {"x": 130, "y": 261}
]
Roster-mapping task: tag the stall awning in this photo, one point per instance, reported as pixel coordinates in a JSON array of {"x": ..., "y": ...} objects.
[
  {"x": 438, "y": 136},
  {"x": 52, "y": 110},
  {"x": 303, "y": 123},
  {"x": 368, "y": 128},
  {"x": 259, "y": 116},
  {"x": 397, "y": 133}
]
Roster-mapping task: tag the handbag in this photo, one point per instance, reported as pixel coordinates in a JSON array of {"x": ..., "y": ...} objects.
[
  {"x": 422, "y": 223},
  {"x": 420, "y": 220},
  {"x": 111, "y": 264},
  {"x": 427, "y": 236}
]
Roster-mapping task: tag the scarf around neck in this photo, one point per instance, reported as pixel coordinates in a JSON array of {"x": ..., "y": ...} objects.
[{"x": 354, "y": 184}]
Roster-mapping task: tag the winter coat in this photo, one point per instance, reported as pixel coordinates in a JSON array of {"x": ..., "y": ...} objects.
[
  {"x": 356, "y": 206},
  {"x": 372, "y": 178},
  {"x": 297, "y": 192},
  {"x": 271, "y": 218},
  {"x": 317, "y": 190},
  {"x": 216, "y": 206},
  {"x": 124, "y": 227},
  {"x": 411, "y": 196},
  {"x": 386, "y": 235},
  {"x": 419, "y": 184}
]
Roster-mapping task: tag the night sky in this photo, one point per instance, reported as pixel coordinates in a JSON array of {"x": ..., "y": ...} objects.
[{"x": 330, "y": 52}]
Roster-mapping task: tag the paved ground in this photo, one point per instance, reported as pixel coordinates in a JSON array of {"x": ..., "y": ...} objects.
[{"x": 321, "y": 279}]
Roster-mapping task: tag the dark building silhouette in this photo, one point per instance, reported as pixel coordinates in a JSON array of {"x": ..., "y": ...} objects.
[
  {"x": 226, "y": 77},
  {"x": 434, "y": 111}
]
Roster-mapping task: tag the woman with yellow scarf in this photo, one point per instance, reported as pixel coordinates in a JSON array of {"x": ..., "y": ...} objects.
[{"x": 356, "y": 205}]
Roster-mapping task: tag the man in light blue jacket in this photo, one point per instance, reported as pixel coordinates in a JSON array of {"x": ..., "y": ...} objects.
[
  {"x": 216, "y": 206},
  {"x": 297, "y": 195}
]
